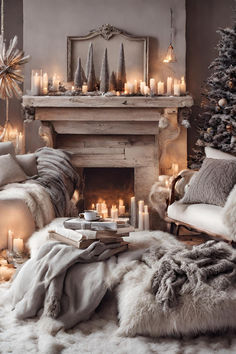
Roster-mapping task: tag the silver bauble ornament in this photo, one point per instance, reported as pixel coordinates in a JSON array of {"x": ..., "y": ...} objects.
[{"x": 222, "y": 102}]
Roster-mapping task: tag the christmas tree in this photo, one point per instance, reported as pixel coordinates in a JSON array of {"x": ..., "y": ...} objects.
[
  {"x": 104, "y": 77},
  {"x": 218, "y": 121},
  {"x": 90, "y": 71},
  {"x": 121, "y": 73},
  {"x": 79, "y": 77}
]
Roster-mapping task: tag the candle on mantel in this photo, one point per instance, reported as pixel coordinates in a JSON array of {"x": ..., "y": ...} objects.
[
  {"x": 55, "y": 82},
  {"x": 93, "y": 206},
  {"x": 146, "y": 218},
  {"x": 18, "y": 245},
  {"x": 160, "y": 88},
  {"x": 45, "y": 84},
  {"x": 153, "y": 90},
  {"x": 126, "y": 88},
  {"x": 133, "y": 212},
  {"x": 146, "y": 90},
  {"x": 130, "y": 88},
  {"x": 142, "y": 86},
  {"x": 72, "y": 88},
  {"x": 35, "y": 82},
  {"x": 175, "y": 168},
  {"x": 19, "y": 143},
  {"x": 169, "y": 85},
  {"x": 117, "y": 93},
  {"x": 182, "y": 86},
  {"x": 114, "y": 212},
  {"x": 135, "y": 86},
  {"x": 9, "y": 240},
  {"x": 176, "y": 88},
  {"x": 121, "y": 207},
  {"x": 84, "y": 88}
]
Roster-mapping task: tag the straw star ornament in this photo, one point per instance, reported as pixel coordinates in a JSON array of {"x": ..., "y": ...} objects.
[{"x": 11, "y": 61}]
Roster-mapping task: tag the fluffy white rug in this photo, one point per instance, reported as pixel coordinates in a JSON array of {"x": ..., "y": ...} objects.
[{"x": 99, "y": 335}]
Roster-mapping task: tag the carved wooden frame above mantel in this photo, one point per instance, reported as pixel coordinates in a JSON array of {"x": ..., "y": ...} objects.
[{"x": 110, "y": 37}]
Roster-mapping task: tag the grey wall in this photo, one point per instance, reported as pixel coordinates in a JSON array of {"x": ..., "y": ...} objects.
[
  {"x": 47, "y": 23},
  {"x": 204, "y": 17},
  {"x": 13, "y": 26}
]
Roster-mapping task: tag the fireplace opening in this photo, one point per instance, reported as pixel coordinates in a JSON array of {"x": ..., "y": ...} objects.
[{"x": 114, "y": 186}]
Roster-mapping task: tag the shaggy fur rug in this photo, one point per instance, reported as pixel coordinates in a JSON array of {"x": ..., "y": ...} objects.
[{"x": 99, "y": 335}]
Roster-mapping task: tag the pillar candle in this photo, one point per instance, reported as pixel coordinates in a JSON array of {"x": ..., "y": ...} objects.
[
  {"x": 114, "y": 212},
  {"x": 18, "y": 245},
  {"x": 146, "y": 218},
  {"x": 160, "y": 88},
  {"x": 175, "y": 168},
  {"x": 105, "y": 213},
  {"x": 126, "y": 88},
  {"x": 153, "y": 90},
  {"x": 182, "y": 86},
  {"x": 130, "y": 88},
  {"x": 141, "y": 205},
  {"x": 169, "y": 85},
  {"x": 55, "y": 82},
  {"x": 146, "y": 90},
  {"x": 176, "y": 88},
  {"x": 142, "y": 85},
  {"x": 117, "y": 93},
  {"x": 133, "y": 212},
  {"x": 35, "y": 82},
  {"x": 19, "y": 143},
  {"x": 9, "y": 240},
  {"x": 140, "y": 220},
  {"x": 135, "y": 86},
  {"x": 98, "y": 208},
  {"x": 84, "y": 88},
  {"x": 93, "y": 206},
  {"x": 45, "y": 84}
]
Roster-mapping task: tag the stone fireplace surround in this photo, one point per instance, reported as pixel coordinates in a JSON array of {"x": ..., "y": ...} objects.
[{"x": 139, "y": 132}]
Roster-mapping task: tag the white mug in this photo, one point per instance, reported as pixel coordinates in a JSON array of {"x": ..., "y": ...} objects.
[{"x": 90, "y": 215}]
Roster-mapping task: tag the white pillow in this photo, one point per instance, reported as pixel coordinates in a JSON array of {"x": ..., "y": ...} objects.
[{"x": 217, "y": 154}]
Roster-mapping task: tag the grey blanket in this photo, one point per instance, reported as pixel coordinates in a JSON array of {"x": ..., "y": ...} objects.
[
  {"x": 62, "y": 282},
  {"x": 182, "y": 271},
  {"x": 57, "y": 175}
]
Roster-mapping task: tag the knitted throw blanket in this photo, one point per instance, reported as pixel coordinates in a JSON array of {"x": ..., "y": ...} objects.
[
  {"x": 57, "y": 175},
  {"x": 182, "y": 271}
]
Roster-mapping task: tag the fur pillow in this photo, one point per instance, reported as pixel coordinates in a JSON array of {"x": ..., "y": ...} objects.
[
  {"x": 213, "y": 183},
  {"x": 141, "y": 314},
  {"x": 10, "y": 170}
]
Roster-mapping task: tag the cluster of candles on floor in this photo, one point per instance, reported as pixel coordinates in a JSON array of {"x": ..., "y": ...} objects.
[
  {"x": 117, "y": 211},
  {"x": 176, "y": 87},
  {"x": 15, "y": 244}
]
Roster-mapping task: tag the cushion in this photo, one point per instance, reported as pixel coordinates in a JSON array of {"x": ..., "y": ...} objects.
[
  {"x": 213, "y": 183},
  {"x": 28, "y": 164},
  {"x": 7, "y": 148},
  {"x": 10, "y": 170},
  {"x": 205, "y": 217},
  {"x": 217, "y": 154}
]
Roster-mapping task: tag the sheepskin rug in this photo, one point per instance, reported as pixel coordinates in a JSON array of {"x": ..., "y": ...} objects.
[{"x": 99, "y": 335}]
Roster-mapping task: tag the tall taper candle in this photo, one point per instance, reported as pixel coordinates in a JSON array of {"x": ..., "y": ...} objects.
[
  {"x": 133, "y": 212},
  {"x": 140, "y": 220}
]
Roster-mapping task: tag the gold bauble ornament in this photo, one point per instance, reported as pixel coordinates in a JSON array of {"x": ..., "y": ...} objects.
[
  {"x": 222, "y": 102},
  {"x": 209, "y": 130},
  {"x": 230, "y": 84},
  {"x": 229, "y": 127}
]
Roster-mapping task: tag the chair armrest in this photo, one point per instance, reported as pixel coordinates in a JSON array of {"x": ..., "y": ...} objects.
[{"x": 177, "y": 187}]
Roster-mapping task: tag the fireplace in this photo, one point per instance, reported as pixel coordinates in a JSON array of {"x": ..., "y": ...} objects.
[
  {"x": 109, "y": 185},
  {"x": 142, "y": 134}
]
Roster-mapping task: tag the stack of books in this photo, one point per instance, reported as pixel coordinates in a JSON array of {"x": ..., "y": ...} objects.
[{"x": 81, "y": 234}]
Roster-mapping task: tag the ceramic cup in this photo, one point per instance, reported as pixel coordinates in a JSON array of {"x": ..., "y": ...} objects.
[{"x": 89, "y": 215}]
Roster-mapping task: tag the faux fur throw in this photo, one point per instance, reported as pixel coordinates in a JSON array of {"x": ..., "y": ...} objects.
[
  {"x": 57, "y": 175},
  {"x": 182, "y": 271},
  {"x": 35, "y": 197}
]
